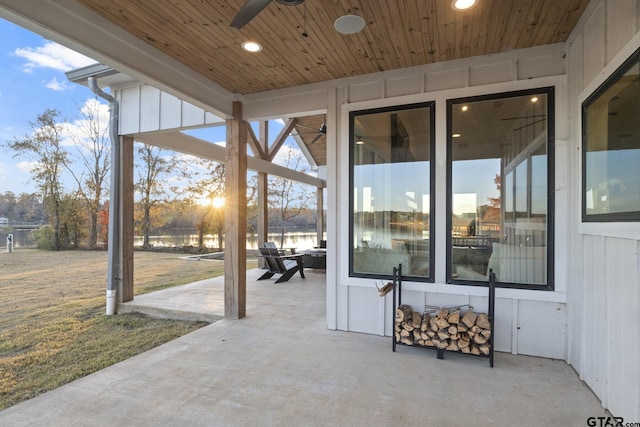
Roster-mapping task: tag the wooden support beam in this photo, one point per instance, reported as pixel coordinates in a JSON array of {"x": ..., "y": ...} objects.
[
  {"x": 235, "y": 225},
  {"x": 254, "y": 143},
  {"x": 263, "y": 132},
  {"x": 126, "y": 207},
  {"x": 282, "y": 136},
  {"x": 200, "y": 148}
]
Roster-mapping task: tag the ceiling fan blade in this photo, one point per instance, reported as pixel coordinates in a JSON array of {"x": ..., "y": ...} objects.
[
  {"x": 318, "y": 136},
  {"x": 307, "y": 127},
  {"x": 249, "y": 11},
  {"x": 535, "y": 116},
  {"x": 529, "y": 124}
]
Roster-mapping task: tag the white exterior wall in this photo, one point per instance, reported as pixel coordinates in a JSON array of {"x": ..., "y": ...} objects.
[
  {"x": 527, "y": 322},
  {"x": 144, "y": 109},
  {"x": 603, "y": 298}
]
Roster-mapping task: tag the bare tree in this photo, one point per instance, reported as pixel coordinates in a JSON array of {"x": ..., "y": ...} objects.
[
  {"x": 207, "y": 184},
  {"x": 94, "y": 152},
  {"x": 44, "y": 146},
  {"x": 153, "y": 165},
  {"x": 288, "y": 198}
]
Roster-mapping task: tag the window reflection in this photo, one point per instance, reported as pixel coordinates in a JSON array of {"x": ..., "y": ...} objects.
[
  {"x": 611, "y": 182},
  {"x": 498, "y": 188},
  {"x": 391, "y": 191}
]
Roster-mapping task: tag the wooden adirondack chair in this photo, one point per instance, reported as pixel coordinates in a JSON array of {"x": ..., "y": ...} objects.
[{"x": 286, "y": 265}]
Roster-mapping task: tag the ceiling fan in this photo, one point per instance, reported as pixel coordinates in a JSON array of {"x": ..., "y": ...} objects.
[
  {"x": 532, "y": 120},
  {"x": 253, "y": 7},
  {"x": 320, "y": 132}
]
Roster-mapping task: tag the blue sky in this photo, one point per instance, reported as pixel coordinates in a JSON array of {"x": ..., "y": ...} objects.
[{"x": 32, "y": 79}]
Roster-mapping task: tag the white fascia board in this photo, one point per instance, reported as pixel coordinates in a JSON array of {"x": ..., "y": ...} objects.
[
  {"x": 311, "y": 98},
  {"x": 187, "y": 144},
  {"x": 295, "y": 102},
  {"x": 76, "y": 27}
]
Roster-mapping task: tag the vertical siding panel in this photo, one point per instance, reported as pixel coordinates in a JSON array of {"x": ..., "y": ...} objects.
[
  {"x": 594, "y": 45},
  {"x": 149, "y": 109},
  {"x": 622, "y": 324},
  {"x": 191, "y": 115},
  {"x": 130, "y": 111},
  {"x": 170, "y": 111},
  {"x": 504, "y": 316},
  {"x": 619, "y": 28},
  {"x": 212, "y": 119},
  {"x": 595, "y": 316},
  {"x": 575, "y": 286}
]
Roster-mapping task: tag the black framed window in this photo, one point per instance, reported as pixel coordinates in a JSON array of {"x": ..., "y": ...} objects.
[
  {"x": 500, "y": 163},
  {"x": 391, "y": 183},
  {"x": 611, "y": 147}
]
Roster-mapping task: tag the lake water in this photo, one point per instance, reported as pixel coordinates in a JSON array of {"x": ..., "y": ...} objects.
[
  {"x": 298, "y": 240},
  {"x": 21, "y": 239},
  {"x": 177, "y": 238}
]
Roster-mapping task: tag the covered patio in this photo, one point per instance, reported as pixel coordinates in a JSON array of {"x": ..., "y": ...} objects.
[
  {"x": 257, "y": 372},
  {"x": 397, "y": 109}
]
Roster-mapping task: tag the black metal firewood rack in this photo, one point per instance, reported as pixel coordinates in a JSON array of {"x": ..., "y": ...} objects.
[{"x": 397, "y": 301}]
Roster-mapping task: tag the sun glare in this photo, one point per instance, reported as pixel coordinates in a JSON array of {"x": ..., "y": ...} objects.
[{"x": 217, "y": 202}]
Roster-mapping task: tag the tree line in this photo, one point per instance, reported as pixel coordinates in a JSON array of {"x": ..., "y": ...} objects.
[{"x": 171, "y": 190}]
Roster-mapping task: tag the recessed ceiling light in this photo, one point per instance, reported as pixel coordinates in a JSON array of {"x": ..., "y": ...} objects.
[
  {"x": 359, "y": 141},
  {"x": 465, "y": 108},
  {"x": 456, "y": 135},
  {"x": 349, "y": 24},
  {"x": 252, "y": 47},
  {"x": 462, "y": 4},
  {"x": 534, "y": 99}
]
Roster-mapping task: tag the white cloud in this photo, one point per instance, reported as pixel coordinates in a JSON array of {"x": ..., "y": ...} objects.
[
  {"x": 27, "y": 166},
  {"x": 77, "y": 131},
  {"x": 56, "y": 85},
  {"x": 52, "y": 55}
]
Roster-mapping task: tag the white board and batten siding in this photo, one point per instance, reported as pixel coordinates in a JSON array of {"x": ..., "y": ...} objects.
[
  {"x": 144, "y": 109},
  {"x": 527, "y": 322},
  {"x": 604, "y": 294}
]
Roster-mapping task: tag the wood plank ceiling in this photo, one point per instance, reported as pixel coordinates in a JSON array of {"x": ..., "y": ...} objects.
[
  {"x": 300, "y": 44},
  {"x": 398, "y": 34}
]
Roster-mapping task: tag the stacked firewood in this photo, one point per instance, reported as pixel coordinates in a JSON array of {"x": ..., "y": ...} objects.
[{"x": 448, "y": 329}]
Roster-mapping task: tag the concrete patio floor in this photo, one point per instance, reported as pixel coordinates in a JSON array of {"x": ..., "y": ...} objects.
[{"x": 281, "y": 366}]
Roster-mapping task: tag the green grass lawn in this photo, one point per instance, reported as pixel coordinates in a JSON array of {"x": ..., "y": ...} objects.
[{"x": 53, "y": 329}]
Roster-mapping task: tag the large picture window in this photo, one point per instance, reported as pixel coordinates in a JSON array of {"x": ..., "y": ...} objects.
[
  {"x": 611, "y": 147},
  {"x": 499, "y": 214},
  {"x": 391, "y": 188}
]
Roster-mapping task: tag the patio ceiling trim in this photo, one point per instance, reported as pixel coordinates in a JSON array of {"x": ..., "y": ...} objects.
[
  {"x": 76, "y": 27},
  {"x": 206, "y": 150}
]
